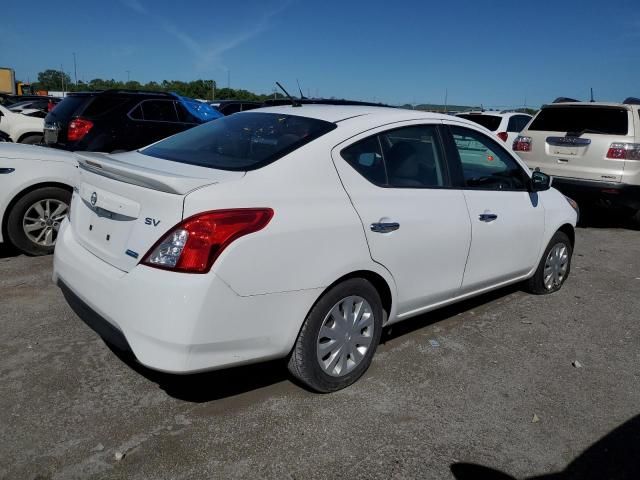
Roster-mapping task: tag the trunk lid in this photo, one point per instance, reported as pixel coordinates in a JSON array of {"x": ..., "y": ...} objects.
[{"x": 125, "y": 203}]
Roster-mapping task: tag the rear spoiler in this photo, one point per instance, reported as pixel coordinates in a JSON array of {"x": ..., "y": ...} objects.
[{"x": 106, "y": 165}]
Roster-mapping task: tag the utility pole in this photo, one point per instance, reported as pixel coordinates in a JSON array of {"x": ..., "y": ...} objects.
[
  {"x": 62, "y": 79},
  {"x": 128, "y": 72},
  {"x": 446, "y": 98},
  {"x": 213, "y": 90},
  {"x": 75, "y": 70},
  {"x": 229, "y": 79}
]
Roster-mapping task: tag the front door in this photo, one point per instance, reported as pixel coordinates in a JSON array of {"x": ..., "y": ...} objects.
[
  {"x": 416, "y": 225},
  {"x": 507, "y": 220}
]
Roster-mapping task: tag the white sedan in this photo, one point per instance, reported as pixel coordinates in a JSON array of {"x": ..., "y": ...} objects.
[
  {"x": 35, "y": 191},
  {"x": 301, "y": 232}
]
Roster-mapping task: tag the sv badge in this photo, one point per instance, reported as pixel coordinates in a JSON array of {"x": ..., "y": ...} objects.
[{"x": 151, "y": 221}]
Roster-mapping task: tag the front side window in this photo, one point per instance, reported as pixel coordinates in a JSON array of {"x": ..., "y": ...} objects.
[
  {"x": 408, "y": 157},
  {"x": 241, "y": 142},
  {"x": 485, "y": 164}
]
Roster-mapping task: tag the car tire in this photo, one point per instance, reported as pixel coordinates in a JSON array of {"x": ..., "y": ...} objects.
[
  {"x": 32, "y": 140},
  {"x": 334, "y": 347},
  {"x": 554, "y": 267},
  {"x": 635, "y": 219},
  {"x": 37, "y": 214}
]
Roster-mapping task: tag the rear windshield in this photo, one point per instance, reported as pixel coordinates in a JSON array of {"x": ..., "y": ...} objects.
[
  {"x": 244, "y": 141},
  {"x": 579, "y": 119},
  {"x": 67, "y": 107},
  {"x": 102, "y": 104},
  {"x": 490, "y": 122}
]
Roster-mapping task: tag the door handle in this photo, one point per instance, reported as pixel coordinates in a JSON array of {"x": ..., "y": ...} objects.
[
  {"x": 488, "y": 217},
  {"x": 384, "y": 227}
]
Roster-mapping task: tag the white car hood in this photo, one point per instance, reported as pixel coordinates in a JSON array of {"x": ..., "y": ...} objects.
[{"x": 20, "y": 151}]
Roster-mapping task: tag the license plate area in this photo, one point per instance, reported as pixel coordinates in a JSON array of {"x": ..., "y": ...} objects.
[
  {"x": 564, "y": 151},
  {"x": 51, "y": 135}
]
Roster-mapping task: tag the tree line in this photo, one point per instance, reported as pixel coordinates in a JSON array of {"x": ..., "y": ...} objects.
[{"x": 55, "y": 80}]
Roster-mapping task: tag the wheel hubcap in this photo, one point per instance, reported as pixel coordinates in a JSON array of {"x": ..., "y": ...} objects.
[
  {"x": 345, "y": 336},
  {"x": 555, "y": 267},
  {"x": 42, "y": 221}
]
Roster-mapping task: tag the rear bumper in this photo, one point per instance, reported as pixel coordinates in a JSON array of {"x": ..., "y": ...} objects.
[
  {"x": 608, "y": 193},
  {"x": 173, "y": 322}
]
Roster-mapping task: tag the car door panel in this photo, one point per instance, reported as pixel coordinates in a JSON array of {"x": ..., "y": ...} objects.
[
  {"x": 507, "y": 220},
  {"x": 421, "y": 235}
]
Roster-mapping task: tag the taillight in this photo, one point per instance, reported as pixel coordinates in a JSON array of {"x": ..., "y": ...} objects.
[
  {"x": 78, "y": 128},
  {"x": 194, "y": 244},
  {"x": 624, "y": 151},
  {"x": 504, "y": 136},
  {"x": 522, "y": 144}
]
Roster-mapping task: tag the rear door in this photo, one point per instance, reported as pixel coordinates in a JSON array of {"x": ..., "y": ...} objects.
[
  {"x": 573, "y": 140},
  {"x": 155, "y": 120},
  {"x": 507, "y": 221},
  {"x": 416, "y": 225}
]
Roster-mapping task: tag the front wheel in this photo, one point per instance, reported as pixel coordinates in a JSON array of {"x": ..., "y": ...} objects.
[
  {"x": 339, "y": 337},
  {"x": 554, "y": 266},
  {"x": 34, "y": 220}
]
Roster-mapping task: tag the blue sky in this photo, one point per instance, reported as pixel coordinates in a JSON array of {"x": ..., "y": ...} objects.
[{"x": 494, "y": 53}]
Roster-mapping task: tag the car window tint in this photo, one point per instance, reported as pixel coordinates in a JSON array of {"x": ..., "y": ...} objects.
[
  {"x": 485, "y": 164},
  {"x": 184, "y": 115},
  {"x": 578, "y": 118},
  {"x": 159, "y": 111},
  {"x": 413, "y": 157},
  {"x": 136, "y": 113},
  {"x": 101, "y": 105},
  {"x": 490, "y": 122},
  {"x": 246, "y": 141},
  {"x": 517, "y": 123},
  {"x": 230, "y": 108},
  {"x": 365, "y": 157}
]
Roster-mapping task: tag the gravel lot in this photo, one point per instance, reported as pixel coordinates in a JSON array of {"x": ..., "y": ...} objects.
[{"x": 498, "y": 390}]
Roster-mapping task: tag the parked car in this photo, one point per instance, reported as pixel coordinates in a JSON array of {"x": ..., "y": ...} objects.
[
  {"x": 591, "y": 149},
  {"x": 44, "y": 104},
  {"x": 227, "y": 107},
  {"x": 121, "y": 120},
  {"x": 506, "y": 125},
  {"x": 300, "y": 232},
  {"x": 35, "y": 190},
  {"x": 21, "y": 128}
]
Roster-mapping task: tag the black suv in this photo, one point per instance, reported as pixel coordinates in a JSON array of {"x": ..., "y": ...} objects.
[{"x": 121, "y": 120}]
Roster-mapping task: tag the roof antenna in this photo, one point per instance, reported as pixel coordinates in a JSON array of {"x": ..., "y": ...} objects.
[
  {"x": 302, "y": 97},
  {"x": 293, "y": 100},
  {"x": 592, "y": 100}
]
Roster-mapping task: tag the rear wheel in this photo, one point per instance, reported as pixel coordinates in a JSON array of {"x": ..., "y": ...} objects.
[
  {"x": 32, "y": 139},
  {"x": 339, "y": 337},
  {"x": 34, "y": 220},
  {"x": 554, "y": 266}
]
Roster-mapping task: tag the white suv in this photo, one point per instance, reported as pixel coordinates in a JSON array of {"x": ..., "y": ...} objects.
[
  {"x": 591, "y": 149},
  {"x": 506, "y": 125}
]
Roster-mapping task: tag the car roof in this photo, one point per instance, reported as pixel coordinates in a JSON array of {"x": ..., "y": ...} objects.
[
  {"x": 339, "y": 113},
  {"x": 589, "y": 104}
]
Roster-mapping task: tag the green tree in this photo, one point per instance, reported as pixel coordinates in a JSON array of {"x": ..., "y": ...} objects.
[{"x": 53, "y": 80}]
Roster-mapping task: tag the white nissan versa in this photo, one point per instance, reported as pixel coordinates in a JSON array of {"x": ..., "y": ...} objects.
[{"x": 300, "y": 232}]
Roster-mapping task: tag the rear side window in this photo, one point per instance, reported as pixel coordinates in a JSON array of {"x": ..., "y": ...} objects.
[
  {"x": 408, "y": 157},
  {"x": 101, "y": 105},
  {"x": 159, "y": 111},
  {"x": 490, "y": 122},
  {"x": 68, "y": 107},
  {"x": 517, "y": 123},
  {"x": 582, "y": 119},
  {"x": 240, "y": 142}
]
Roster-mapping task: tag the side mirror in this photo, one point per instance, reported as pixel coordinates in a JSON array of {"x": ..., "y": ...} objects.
[{"x": 540, "y": 181}]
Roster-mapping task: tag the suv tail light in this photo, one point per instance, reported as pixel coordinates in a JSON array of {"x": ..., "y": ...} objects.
[
  {"x": 78, "y": 128},
  {"x": 194, "y": 244},
  {"x": 522, "y": 144},
  {"x": 624, "y": 151},
  {"x": 504, "y": 136}
]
